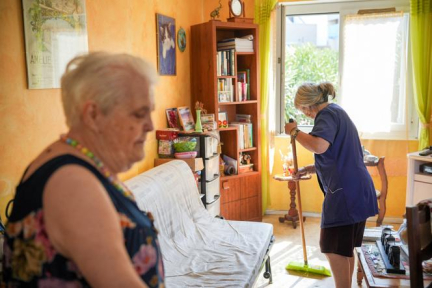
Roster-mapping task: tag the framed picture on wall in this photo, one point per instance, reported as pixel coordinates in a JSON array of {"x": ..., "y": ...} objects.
[
  {"x": 186, "y": 118},
  {"x": 166, "y": 44},
  {"x": 55, "y": 32}
]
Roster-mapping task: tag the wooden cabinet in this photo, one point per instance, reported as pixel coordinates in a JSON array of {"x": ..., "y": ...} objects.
[
  {"x": 240, "y": 194},
  {"x": 419, "y": 185},
  {"x": 241, "y": 197}
]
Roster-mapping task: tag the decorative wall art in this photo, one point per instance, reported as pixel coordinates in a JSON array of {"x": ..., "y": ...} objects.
[
  {"x": 55, "y": 32},
  {"x": 166, "y": 42},
  {"x": 181, "y": 39}
]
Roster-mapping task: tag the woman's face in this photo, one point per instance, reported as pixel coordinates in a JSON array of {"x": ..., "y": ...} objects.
[
  {"x": 125, "y": 127},
  {"x": 309, "y": 111}
]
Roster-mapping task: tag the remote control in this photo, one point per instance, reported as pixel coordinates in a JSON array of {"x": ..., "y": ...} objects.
[{"x": 426, "y": 152}]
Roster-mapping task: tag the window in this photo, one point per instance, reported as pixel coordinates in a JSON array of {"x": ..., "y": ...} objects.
[{"x": 364, "y": 56}]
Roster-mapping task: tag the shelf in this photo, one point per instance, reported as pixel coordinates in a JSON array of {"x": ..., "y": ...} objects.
[
  {"x": 227, "y": 129},
  {"x": 248, "y": 149},
  {"x": 239, "y": 175},
  {"x": 244, "y": 197},
  {"x": 245, "y": 53},
  {"x": 227, "y": 77},
  {"x": 238, "y": 102}
]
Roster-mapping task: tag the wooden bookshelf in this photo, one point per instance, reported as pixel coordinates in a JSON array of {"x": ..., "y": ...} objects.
[{"x": 240, "y": 194}]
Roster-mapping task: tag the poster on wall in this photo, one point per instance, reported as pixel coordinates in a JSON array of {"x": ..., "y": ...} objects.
[
  {"x": 55, "y": 32},
  {"x": 166, "y": 43}
]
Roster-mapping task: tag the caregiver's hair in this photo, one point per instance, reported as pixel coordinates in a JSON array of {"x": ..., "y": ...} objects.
[
  {"x": 103, "y": 78},
  {"x": 310, "y": 94}
]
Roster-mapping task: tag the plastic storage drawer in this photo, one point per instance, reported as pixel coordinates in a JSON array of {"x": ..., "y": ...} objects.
[
  {"x": 212, "y": 168},
  {"x": 211, "y": 146},
  {"x": 212, "y": 190}
]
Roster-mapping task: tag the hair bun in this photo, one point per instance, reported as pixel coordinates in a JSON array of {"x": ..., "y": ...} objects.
[{"x": 327, "y": 89}]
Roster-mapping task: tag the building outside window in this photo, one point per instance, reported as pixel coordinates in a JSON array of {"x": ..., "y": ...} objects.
[{"x": 363, "y": 54}]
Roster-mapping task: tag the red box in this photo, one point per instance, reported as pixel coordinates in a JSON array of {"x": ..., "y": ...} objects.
[{"x": 166, "y": 134}]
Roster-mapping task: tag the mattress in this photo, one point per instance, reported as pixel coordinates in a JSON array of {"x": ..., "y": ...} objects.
[{"x": 198, "y": 250}]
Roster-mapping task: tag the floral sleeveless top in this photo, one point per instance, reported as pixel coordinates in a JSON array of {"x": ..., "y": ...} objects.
[{"x": 31, "y": 261}]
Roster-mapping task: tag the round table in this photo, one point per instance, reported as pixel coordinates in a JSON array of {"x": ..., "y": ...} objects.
[{"x": 293, "y": 214}]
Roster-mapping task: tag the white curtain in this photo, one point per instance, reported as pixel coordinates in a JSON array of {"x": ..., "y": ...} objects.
[{"x": 373, "y": 70}]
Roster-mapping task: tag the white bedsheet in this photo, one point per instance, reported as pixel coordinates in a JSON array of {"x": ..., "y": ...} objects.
[{"x": 198, "y": 250}]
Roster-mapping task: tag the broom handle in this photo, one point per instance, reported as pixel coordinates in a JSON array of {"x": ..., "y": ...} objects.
[{"x": 294, "y": 151}]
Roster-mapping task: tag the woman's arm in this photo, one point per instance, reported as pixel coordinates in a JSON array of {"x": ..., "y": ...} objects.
[
  {"x": 83, "y": 225},
  {"x": 314, "y": 144},
  {"x": 309, "y": 169}
]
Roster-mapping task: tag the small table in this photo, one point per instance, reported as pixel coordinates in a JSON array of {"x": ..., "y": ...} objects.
[
  {"x": 292, "y": 186},
  {"x": 363, "y": 271}
]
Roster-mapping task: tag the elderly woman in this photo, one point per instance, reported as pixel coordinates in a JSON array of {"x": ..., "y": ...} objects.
[
  {"x": 74, "y": 223},
  {"x": 348, "y": 188}
]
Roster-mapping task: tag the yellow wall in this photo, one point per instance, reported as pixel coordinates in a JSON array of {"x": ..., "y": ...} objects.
[
  {"x": 31, "y": 119},
  {"x": 312, "y": 197}
]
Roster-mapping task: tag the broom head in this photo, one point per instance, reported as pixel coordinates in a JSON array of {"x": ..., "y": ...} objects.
[{"x": 300, "y": 266}]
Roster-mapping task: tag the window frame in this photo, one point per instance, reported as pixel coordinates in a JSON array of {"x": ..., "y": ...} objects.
[{"x": 343, "y": 8}]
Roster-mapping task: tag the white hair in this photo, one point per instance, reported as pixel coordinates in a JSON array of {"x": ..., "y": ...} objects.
[
  {"x": 103, "y": 78},
  {"x": 310, "y": 94}
]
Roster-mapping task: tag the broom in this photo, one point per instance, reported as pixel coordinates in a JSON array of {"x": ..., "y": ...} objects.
[{"x": 293, "y": 265}]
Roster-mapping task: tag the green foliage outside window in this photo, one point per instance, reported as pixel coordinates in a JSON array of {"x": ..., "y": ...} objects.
[{"x": 307, "y": 63}]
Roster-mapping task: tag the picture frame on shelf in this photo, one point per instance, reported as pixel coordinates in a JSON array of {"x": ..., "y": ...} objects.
[
  {"x": 173, "y": 118},
  {"x": 166, "y": 45},
  {"x": 186, "y": 119},
  {"x": 223, "y": 119}
]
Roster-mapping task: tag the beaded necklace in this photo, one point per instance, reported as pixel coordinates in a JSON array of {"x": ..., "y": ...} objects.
[{"x": 100, "y": 166}]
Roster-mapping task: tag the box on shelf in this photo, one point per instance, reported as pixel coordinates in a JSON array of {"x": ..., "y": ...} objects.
[
  {"x": 166, "y": 139},
  {"x": 196, "y": 164},
  {"x": 246, "y": 168}
]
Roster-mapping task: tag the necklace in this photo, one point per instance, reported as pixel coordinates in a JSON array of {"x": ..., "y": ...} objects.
[{"x": 100, "y": 166}]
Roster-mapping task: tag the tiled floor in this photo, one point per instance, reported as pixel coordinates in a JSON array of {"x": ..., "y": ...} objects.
[{"x": 288, "y": 248}]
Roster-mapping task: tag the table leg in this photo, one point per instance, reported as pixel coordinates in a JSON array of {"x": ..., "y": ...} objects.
[
  {"x": 292, "y": 212},
  {"x": 359, "y": 273}
]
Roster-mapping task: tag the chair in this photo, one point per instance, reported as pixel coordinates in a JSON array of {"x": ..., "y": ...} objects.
[
  {"x": 418, "y": 224},
  {"x": 382, "y": 193}
]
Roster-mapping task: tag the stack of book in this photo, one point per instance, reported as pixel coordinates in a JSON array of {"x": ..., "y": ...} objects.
[
  {"x": 239, "y": 44},
  {"x": 225, "y": 90},
  {"x": 245, "y": 134},
  {"x": 243, "y": 118},
  {"x": 243, "y": 90},
  {"x": 225, "y": 62}
]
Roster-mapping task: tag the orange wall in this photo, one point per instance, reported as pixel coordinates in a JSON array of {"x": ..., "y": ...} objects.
[
  {"x": 31, "y": 119},
  {"x": 312, "y": 197}
]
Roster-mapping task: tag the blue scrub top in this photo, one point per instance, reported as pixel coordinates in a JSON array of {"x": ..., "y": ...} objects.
[{"x": 348, "y": 188}]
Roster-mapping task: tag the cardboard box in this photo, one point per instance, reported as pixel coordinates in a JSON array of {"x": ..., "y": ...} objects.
[
  {"x": 245, "y": 168},
  {"x": 196, "y": 164}
]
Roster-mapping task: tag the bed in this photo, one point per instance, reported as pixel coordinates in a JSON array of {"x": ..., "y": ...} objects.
[{"x": 199, "y": 250}]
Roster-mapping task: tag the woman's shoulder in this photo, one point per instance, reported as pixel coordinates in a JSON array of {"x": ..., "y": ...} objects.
[{"x": 52, "y": 157}]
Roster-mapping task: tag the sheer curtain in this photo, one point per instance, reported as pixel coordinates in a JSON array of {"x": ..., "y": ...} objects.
[
  {"x": 421, "y": 54},
  {"x": 263, "y": 11},
  {"x": 373, "y": 71}
]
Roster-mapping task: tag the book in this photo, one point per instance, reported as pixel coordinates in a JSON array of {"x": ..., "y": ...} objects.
[
  {"x": 244, "y": 118},
  {"x": 245, "y": 135},
  {"x": 225, "y": 60},
  {"x": 244, "y": 76},
  {"x": 239, "y": 44}
]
